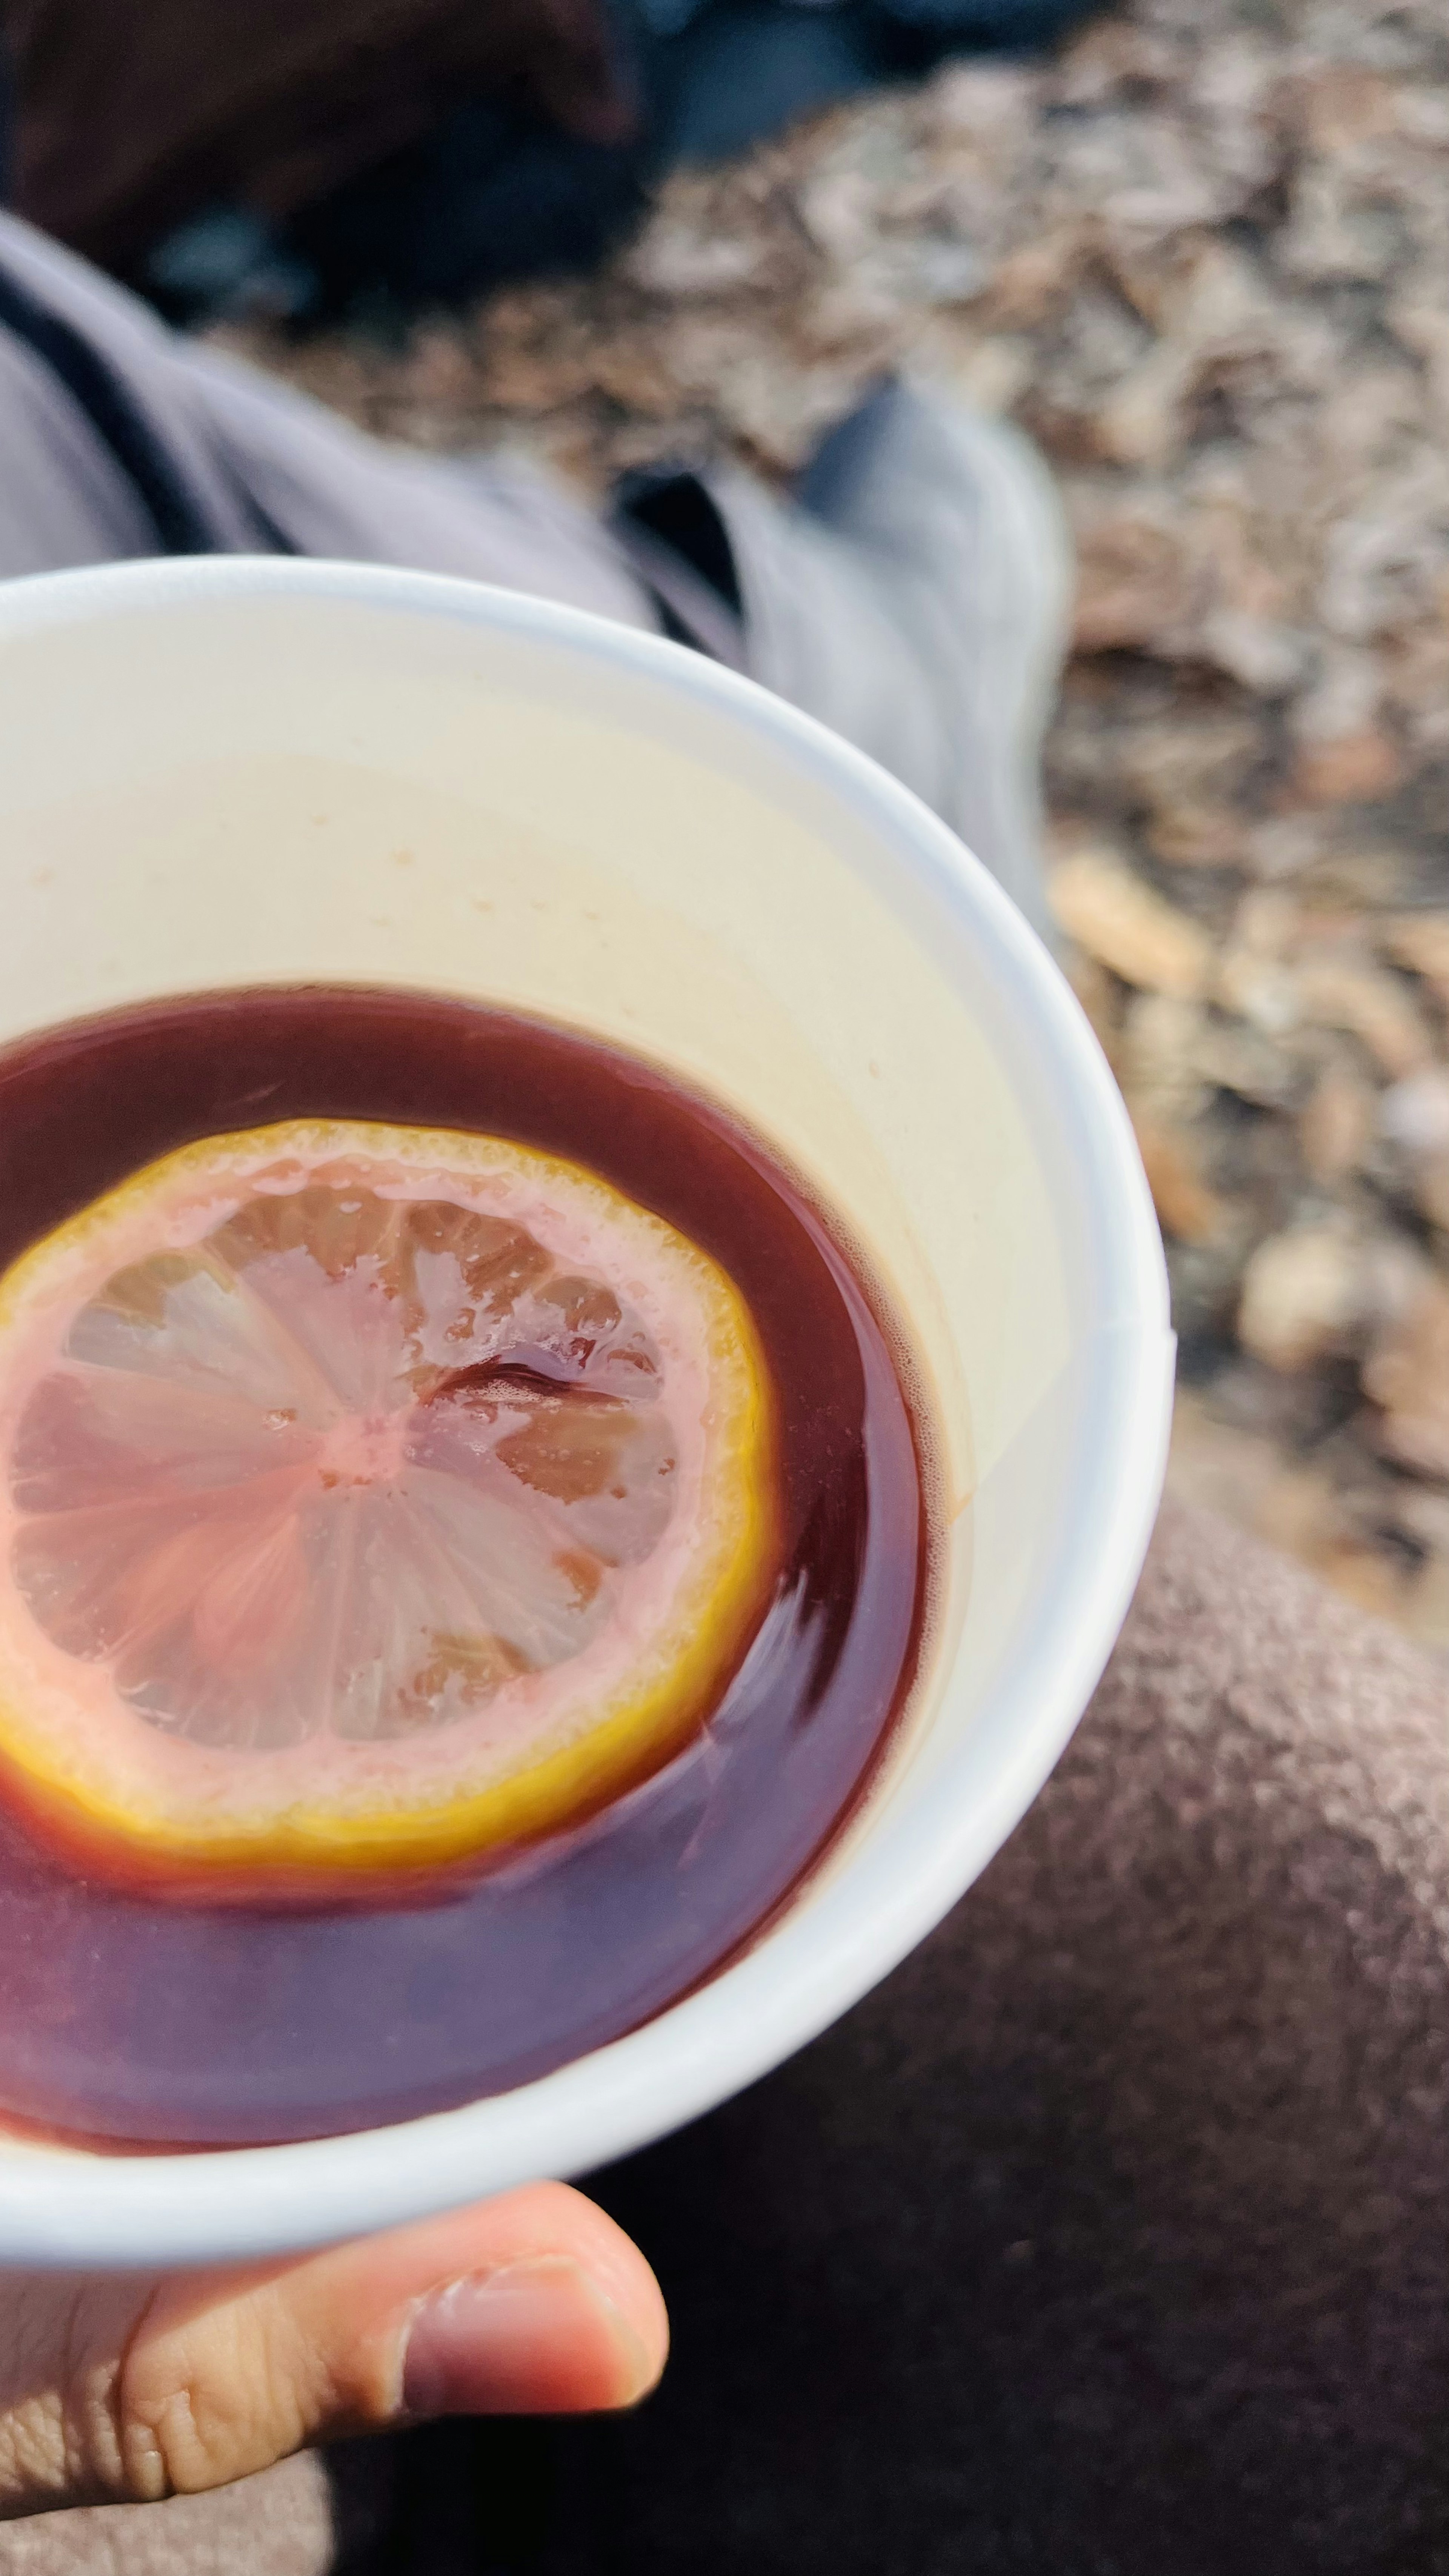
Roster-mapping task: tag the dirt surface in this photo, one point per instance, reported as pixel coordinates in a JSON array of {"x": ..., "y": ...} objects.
[{"x": 1201, "y": 254}]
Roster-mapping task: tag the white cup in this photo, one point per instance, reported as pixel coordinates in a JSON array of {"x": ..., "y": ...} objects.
[{"x": 230, "y": 772}]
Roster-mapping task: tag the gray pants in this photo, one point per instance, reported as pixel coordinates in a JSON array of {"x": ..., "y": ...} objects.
[
  {"x": 257, "y": 468},
  {"x": 917, "y": 605}
]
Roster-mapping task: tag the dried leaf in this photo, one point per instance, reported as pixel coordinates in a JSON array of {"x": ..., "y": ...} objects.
[
  {"x": 1372, "y": 1006},
  {"x": 1407, "y": 1374},
  {"x": 1336, "y": 1127},
  {"x": 1362, "y": 769},
  {"x": 1420, "y": 941},
  {"x": 1186, "y": 1207},
  {"x": 1125, "y": 925},
  {"x": 1303, "y": 1294}
]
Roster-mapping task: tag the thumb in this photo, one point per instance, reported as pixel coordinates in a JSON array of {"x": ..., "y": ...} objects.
[{"x": 123, "y": 2390}]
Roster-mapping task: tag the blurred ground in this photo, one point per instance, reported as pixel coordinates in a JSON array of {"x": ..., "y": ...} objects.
[{"x": 1202, "y": 255}]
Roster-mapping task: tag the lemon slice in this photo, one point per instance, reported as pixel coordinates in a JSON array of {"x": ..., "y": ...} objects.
[{"x": 372, "y": 1497}]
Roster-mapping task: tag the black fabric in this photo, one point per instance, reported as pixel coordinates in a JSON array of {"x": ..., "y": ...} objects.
[
  {"x": 495, "y": 193},
  {"x": 666, "y": 522},
  {"x": 673, "y": 626},
  {"x": 675, "y": 507},
  {"x": 179, "y": 517},
  {"x": 451, "y": 2499},
  {"x": 7, "y": 123},
  {"x": 181, "y": 524}
]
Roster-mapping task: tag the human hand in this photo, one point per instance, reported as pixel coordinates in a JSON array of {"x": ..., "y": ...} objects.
[{"x": 126, "y": 2388}]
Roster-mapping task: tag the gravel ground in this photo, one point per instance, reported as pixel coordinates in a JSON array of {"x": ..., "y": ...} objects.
[{"x": 1201, "y": 255}]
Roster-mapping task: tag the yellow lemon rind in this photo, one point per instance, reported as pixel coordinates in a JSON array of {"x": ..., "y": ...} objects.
[{"x": 600, "y": 1760}]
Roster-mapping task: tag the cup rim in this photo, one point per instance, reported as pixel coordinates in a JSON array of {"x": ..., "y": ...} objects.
[{"x": 64, "y": 2207}]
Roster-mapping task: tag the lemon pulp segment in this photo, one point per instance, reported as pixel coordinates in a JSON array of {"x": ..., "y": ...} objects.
[{"x": 372, "y": 1496}]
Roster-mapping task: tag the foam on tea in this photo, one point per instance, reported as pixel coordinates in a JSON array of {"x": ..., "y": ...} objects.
[{"x": 463, "y": 1551}]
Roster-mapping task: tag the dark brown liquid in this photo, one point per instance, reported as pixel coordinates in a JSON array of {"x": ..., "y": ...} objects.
[{"x": 127, "y": 2018}]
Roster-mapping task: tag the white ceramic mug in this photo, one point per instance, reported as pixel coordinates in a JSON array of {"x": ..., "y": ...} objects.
[{"x": 229, "y": 772}]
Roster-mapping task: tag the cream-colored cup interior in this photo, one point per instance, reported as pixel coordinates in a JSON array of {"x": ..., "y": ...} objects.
[
  {"x": 245, "y": 784},
  {"x": 305, "y": 804}
]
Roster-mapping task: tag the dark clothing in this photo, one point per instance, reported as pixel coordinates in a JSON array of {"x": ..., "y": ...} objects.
[
  {"x": 1109, "y": 2237},
  {"x": 320, "y": 157},
  {"x": 131, "y": 116}
]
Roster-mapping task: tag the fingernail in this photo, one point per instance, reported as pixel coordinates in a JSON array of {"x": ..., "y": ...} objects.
[{"x": 536, "y": 2338}]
